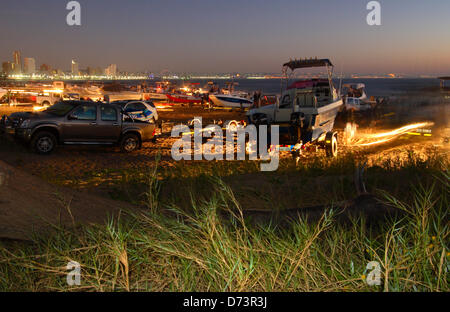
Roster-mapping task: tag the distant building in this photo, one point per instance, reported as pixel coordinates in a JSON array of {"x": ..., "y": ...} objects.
[
  {"x": 17, "y": 63},
  {"x": 29, "y": 65},
  {"x": 111, "y": 70},
  {"x": 7, "y": 68},
  {"x": 75, "y": 69},
  {"x": 45, "y": 69},
  {"x": 94, "y": 71},
  {"x": 57, "y": 72}
]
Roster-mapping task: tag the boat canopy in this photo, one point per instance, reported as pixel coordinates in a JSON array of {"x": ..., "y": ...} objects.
[
  {"x": 306, "y": 63},
  {"x": 302, "y": 84}
]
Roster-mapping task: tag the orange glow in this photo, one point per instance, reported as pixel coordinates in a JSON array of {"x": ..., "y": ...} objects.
[{"x": 383, "y": 137}]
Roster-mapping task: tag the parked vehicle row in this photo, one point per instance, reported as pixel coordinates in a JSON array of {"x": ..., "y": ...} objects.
[{"x": 125, "y": 123}]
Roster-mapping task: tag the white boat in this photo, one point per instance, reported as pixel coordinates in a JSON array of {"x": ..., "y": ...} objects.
[
  {"x": 355, "y": 97},
  {"x": 355, "y": 90},
  {"x": 314, "y": 103},
  {"x": 355, "y": 104},
  {"x": 228, "y": 97},
  {"x": 155, "y": 96},
  {"x": 230, "y": 100}
]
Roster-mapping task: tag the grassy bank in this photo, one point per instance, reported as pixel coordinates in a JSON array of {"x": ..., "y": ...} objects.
[{"x": 195, "y": 237}]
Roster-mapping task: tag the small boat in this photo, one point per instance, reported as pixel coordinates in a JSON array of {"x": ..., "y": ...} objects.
[
  {"x": 310, "y": 106},
  {"x": 155, "y": 96},
  {"x": 230, "y": 100},
  {"x": 355, "y": 104},
  {"x": 228, "y": 97},
  {"x": 355, "y": 97},
  {"x": 183, "y": 98},
  {"x": 355, "y": 90}
]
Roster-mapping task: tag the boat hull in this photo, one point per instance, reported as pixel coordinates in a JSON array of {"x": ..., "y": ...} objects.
[
  {"x": 230, "y": 101},
  {"x": 183, "y": 99},
  {"x": 153, "y": 96},
  {"x": 323, "y": 119}
]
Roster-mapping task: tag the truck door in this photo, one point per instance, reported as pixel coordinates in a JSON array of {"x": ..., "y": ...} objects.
[
  {"x": 109, "y": 125},
  {"x": 284, "y": 110},
  {"x": 80, "y": 124}
]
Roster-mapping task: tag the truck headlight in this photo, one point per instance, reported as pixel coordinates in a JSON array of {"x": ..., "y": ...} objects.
[{"x": 25, "y": 123}]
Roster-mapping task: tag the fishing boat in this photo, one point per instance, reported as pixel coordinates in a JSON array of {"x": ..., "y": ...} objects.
[
  {"x": 155, "y": 94},
  {"x": 228, "y": 97},
  {"x": 183, "y": 98},
  {"x": 355, "y": 90},
  {"x": 355, "y": 97},
  {"x": 230, "y": 100},
  {"x": 310, "y": 106}
]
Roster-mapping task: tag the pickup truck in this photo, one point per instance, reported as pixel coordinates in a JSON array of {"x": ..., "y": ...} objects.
[{"x": 79, "y": 122}]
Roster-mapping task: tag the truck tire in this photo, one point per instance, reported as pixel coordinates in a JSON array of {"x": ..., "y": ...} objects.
[
  {"x": 43, "y": 142},
  {"x": 331, "y": 144},
  {"x": 129, "y": 143}
]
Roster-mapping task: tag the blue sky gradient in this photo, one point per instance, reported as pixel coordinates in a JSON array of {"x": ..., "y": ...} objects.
[{"x": 230, "y": 36}]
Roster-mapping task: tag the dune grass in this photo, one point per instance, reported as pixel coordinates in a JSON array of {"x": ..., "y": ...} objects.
[{"x": 212, "y": 247}]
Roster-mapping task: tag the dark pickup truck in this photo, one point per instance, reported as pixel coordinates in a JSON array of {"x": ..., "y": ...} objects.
[{"x": 79, "y": 122}]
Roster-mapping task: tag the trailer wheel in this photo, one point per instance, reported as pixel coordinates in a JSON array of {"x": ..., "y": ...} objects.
[{"x": 331, "y": 144}]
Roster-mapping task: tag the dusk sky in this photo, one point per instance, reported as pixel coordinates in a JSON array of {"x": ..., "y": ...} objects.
[{"x": 207, "y": 36}]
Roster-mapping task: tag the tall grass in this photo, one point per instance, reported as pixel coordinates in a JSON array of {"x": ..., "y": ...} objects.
[{"x": 213, "y": 247}]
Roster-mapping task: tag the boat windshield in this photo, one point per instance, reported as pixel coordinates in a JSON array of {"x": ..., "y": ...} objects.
[{"x": 286, "y": 102}]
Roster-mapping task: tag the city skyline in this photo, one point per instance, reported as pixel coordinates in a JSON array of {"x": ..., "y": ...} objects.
[
  {"x": 232, "y": 36},
  {"x": 28, "y": 68}
]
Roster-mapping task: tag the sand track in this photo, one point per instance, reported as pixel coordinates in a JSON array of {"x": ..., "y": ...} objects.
[{"x": 28, "y": 204}]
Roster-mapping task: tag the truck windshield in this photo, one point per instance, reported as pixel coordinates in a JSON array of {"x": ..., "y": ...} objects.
[{"x": 59, "y": 109}]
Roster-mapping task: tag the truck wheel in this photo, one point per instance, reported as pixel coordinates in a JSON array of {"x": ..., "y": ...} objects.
[
  {"x": 129, "y": 143},
  {"x": 43, "y": 142},
  {"x": 331, "y": 144},
  {"x": 46, "y": 103}
]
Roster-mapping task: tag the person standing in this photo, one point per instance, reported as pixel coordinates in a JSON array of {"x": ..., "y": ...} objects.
[{"x": 255, "y": 99}]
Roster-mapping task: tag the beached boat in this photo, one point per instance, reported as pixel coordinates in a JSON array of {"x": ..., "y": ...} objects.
[
  {"x": 355, "y": 90},
  {"x": 230, "y": 100},
  {"x": 155, "y": 96},
  {"x": 228, "y": 97},
  {"x": 355, "y": 97},
  {"x": 183, "y": 98},
  {"x": 310, "y": 105}
]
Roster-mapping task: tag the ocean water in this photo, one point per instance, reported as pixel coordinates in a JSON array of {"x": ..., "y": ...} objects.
[{"x": 374, "y": 86}]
